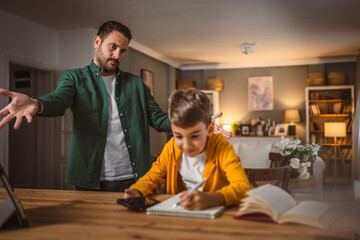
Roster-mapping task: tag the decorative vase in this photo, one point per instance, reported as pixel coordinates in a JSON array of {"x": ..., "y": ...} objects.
[{"x": 259, "y": 131}]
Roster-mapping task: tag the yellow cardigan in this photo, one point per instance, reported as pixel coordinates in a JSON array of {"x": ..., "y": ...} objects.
[{"x": 222, "y": 170}]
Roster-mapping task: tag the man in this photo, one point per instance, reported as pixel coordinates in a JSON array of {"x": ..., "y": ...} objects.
[{"x": 111, "y": 111}]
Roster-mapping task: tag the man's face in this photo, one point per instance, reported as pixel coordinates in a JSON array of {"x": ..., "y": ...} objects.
[
  {"x": 192, "y": 140},
  {"x": 109, "y": 52}
]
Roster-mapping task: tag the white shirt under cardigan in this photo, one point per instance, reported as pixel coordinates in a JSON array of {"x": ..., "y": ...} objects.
[
  {"x": 116, "y": 163},
  {"x": 191, "y": 169}
]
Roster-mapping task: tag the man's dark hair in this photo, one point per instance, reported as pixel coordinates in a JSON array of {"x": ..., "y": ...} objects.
[{"x": 107, "y": 27}]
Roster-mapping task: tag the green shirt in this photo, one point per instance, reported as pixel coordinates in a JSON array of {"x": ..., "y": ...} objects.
[{"x": 84, "y": 91}]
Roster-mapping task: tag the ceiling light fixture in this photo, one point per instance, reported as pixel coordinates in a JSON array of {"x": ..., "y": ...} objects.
[{"x": 247, "y": 48}]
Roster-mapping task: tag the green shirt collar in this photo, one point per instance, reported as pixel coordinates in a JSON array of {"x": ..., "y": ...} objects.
[{"x": 96, "y": 69}]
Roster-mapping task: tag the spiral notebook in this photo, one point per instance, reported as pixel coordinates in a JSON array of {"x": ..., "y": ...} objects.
[{"x": 166, "y": 208}]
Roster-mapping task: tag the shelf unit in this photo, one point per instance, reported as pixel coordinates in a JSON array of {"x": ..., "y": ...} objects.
[{"x": 335, "y": 104}]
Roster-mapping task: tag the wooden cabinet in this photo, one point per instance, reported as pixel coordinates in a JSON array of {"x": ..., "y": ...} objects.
[{"x": 331, "y": 104}]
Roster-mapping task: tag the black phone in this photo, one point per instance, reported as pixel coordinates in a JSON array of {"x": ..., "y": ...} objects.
[{"x": 138, "y": 204}]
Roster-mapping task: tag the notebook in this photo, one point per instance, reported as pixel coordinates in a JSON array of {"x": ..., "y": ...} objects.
[{"x": 166, "y": 208}]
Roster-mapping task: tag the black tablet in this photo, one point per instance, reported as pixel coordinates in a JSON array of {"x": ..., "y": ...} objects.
[
  {"x": 12, "y": 205},
  {"x": 138, "y": 204}
]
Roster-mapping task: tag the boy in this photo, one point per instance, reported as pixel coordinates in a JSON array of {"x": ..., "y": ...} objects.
[{"x": 192, "y": 154}]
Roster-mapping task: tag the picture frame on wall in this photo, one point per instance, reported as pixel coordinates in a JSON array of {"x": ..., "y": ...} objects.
[
  {"x": 148, "y": 78},
  {"x": 245, "y": 130},
  {"x": 260, "y": 93},
  {"x": 281, "y": 129}
]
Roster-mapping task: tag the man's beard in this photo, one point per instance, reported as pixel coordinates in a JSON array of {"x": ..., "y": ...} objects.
[{"x": 104, "y": 63}]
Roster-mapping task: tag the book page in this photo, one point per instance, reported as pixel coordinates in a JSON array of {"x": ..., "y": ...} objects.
[
  {"x": 167, "y": 208},
  {"x": 312, "y": 213},
  {"x": 277, "y": 199}
]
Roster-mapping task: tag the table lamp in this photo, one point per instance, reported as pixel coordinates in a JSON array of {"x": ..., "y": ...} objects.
[
  {"x": 227, "y": 127},
  {"x": 335, "y": 129},
  {"x": 292, "y": 116}
]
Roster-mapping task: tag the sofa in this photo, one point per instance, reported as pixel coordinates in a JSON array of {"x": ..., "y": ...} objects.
[{"x": 256, "y": 155}]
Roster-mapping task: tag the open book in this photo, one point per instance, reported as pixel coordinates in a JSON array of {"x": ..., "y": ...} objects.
[
  {"x": 281, "y": 207},
  {"x": 167, "y": 208}
]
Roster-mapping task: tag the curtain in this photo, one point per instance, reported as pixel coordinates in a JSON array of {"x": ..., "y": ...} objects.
[{"x": 356, "y": 127}]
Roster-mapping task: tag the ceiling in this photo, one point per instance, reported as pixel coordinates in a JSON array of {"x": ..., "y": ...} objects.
[{"x": 210, "y": 32}]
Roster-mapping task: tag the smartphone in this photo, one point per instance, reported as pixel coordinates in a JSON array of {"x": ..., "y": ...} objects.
[{"x": 138, "y": 204}]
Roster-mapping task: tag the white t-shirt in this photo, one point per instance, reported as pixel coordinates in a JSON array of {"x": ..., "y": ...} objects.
[
  {"x": 116, "y": 164},
  {"x": 191, "y": 169}
]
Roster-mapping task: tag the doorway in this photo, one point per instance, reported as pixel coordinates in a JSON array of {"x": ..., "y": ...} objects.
[{"x": 31, "y": 148}]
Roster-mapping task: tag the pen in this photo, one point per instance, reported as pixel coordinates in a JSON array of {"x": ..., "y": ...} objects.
[{"x": 191, "y": 190}]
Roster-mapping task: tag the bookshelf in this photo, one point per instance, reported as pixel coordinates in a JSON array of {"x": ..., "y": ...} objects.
[{"x": 331, "y": 104}]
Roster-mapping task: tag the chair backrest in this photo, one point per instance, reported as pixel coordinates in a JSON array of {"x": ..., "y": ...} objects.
[
  {"x": 275, "y": 159},
  {"x": 278, "y": 176}
]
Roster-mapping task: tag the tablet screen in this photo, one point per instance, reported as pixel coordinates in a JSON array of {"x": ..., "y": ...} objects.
[
  {"x": 18, "y": 206},
  {"x": 138, "y": 204}
]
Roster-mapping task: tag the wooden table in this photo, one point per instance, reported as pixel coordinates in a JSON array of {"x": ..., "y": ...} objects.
[{"x": 59, "y": 214}]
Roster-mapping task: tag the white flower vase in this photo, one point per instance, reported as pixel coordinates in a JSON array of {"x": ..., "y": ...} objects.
[{"x": 259, "y": 131}]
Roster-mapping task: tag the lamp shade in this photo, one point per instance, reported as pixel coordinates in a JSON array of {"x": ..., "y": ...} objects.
[
  {"x": 292, "y": 115},
  {"x": 227, "y": 127},
  {"x": 335, "y": 129}
]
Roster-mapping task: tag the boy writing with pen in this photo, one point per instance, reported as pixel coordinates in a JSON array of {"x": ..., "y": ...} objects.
[{"x": 193, "y": 155}]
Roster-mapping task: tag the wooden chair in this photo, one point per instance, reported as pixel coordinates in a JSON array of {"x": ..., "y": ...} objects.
[
  {"x": 278, "y": 176},
  {"x": 275, "y": 159}
]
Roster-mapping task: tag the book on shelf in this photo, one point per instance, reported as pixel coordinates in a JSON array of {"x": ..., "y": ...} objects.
[
  {"x": 315, "y": 125},
  {"x": 348, "y": 154},
  {"x": 348, "y": 139},
  {"x": 349, "y": 126},
  {"x": 314, "y": 109},
  {"x": 318, "y": 109},
  {"x": 344, "y": 153},
  {"x": 278, "y": 205}
]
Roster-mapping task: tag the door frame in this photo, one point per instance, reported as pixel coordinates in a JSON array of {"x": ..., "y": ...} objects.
[{"x": 31, "y": 64}]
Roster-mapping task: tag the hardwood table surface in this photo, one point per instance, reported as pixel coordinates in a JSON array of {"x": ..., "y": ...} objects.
[{"x": 66, "y": 214}]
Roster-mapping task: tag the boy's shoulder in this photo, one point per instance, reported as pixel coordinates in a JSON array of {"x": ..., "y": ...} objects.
[{"x": 217, "y": 140}]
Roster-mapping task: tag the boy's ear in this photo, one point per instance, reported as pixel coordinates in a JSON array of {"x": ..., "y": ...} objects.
[
  {"x": 210, "y": 129},
  {"x": 172, "y": 130}
]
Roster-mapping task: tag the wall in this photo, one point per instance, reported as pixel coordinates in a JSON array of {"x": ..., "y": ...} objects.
[
  {"x": 289, "y": 90},
  {"x": 28, "y": 43}
]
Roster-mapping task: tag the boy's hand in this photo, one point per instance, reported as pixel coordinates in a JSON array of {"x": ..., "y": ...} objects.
[
  {"x": 196, "y": 200},
  {"x": 131, "y": 193}
]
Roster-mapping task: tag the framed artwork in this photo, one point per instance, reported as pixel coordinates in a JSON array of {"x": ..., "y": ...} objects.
[
  {"x": 271, "y": 131},
  {"x": 261, "y": 94},
  {"x": 148, "y": 78},
  {"x": 245, "y": 130},
  {"x": 281, "y": 129}
]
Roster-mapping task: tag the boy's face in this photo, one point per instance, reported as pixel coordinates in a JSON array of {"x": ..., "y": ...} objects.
[{"x": 192, "y": 140}]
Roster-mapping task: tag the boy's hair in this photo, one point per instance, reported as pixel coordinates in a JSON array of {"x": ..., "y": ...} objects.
[
  {"x": 107, "y": 27},
  {"x": 188, "y": 107}
]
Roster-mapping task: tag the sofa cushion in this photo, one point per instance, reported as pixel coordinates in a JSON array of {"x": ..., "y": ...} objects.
[{"x": 253, "y": 155}]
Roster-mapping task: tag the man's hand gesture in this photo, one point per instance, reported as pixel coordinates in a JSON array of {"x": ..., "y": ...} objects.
[{"x": 21, "y": 106}]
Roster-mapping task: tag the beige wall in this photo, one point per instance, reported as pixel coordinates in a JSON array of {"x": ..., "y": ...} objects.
[{"x": 289, "y": 90}]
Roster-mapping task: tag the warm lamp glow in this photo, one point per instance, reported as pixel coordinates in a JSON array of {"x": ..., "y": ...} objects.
[
  {"x": 335, "y": 129},
  {"x": 227, "y": 127},
  {"x": 292, "y": 115}
]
